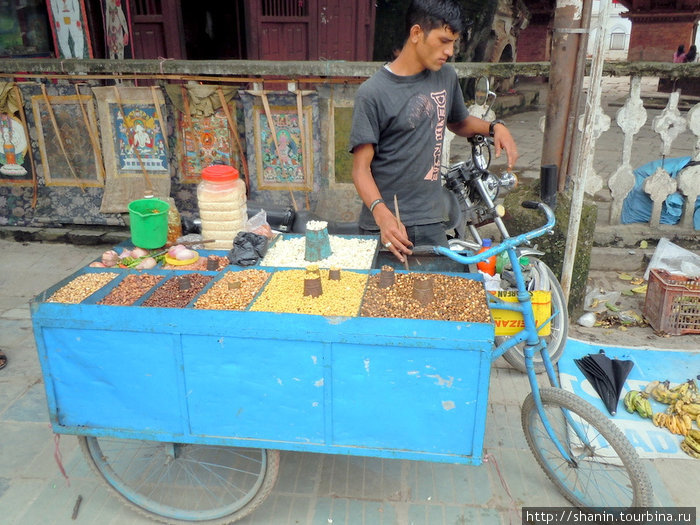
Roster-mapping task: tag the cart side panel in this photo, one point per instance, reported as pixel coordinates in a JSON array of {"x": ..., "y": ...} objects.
[
  {"x": 114, "y": 379},
  {"x": 409, "y": 398},
  {"x": 254, "y": 388}
]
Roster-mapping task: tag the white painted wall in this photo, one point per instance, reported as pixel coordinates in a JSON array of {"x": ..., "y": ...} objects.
[{"x": 617, "y": 30}]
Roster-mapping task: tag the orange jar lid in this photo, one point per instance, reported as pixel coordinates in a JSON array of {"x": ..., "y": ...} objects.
[{"x": 220, "y": 173}]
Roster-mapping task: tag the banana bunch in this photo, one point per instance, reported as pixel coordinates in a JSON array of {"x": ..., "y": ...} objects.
[
  {"x": 675, "y": 423},
  {"x": 691, "y": 443},
  {"x": 664, "y": 393},
  {"x": 637, "y": 401}
]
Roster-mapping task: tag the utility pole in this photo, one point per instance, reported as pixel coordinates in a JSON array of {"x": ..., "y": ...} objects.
[{"x": 567, "y": 33}]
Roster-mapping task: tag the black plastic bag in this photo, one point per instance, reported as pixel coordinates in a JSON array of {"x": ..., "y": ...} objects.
[{"x": 248, "y": 249}]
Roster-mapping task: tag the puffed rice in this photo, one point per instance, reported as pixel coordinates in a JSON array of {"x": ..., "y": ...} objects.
[{"x": 347, "y": 252}]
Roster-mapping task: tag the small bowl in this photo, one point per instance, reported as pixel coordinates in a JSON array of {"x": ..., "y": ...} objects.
[{"x": 176, "y": 262}]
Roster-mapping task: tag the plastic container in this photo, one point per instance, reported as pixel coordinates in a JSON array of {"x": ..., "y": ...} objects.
[
  {"x": 489, "y": 265},
  {"x": 174, "y": 223},
  {"x": 672, "y": 303},
  {"x": 148, "y": 222},
  {"x": 222, "y": 205}
]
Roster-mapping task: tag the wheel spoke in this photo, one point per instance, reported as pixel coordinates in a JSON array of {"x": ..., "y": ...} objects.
[{"x": 197, "y": 483}]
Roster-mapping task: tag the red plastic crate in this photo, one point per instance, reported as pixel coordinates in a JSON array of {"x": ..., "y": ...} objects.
[{"x": 672, "y": 303}]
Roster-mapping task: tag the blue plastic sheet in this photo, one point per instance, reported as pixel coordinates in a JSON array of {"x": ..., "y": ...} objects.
[{"x": 637, "y": 205}]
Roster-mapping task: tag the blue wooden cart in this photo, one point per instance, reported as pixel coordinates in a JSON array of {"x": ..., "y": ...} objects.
[
  {"x": 215, "y": 382},
  {"x": 183, "y": 412}
]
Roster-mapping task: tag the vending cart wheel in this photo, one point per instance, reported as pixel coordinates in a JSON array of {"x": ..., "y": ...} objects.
[{"x": 183, "y": 483}]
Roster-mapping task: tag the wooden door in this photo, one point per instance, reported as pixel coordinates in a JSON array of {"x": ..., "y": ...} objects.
[
  {"x": 310, "y": 29},
  {"x": 156, "y": 29}
]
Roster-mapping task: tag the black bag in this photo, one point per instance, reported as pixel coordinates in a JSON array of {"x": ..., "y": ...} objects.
[{"x": 248, "y": 249}]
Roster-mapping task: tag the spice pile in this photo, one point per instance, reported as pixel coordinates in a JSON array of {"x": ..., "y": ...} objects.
[
  {"x": 455, "y": 299},
  {"x": 131, "y": 289},
  {"x": 178, "y": 291},
  {"x": 284, "y": 293},
  {"x": 346, "y": 252},
  {"x": 233, "y": 291},
  {"x": 81, "y": 288}
]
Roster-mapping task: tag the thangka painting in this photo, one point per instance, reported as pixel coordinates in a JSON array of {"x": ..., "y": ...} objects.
[
  {"x": 15, "y": 165},
  {"x": 68, "y": 157},
  {"x": 69, "y": 174},
  {"x": 117, "y": 24},
  {"x": 288, "y": 163},
  {"x": 207, "y": 141},
  {"x": 133, "y": 144},
  {"x": 69, "y": 28}
]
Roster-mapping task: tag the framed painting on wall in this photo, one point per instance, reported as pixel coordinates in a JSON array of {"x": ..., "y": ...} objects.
[
  {"x": 133, "y": 145},
  {"x": 68, "y": 157},
  {"x": 69, "y": 28},
  {"x": 286, "y": 163},
  {"x": 116, "y": 17},
  {"x": 207, "y": 141},
  {"x": 15, "y": 165}
]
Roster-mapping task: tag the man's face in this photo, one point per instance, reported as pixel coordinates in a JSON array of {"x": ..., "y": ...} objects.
[{"x": 436, "y": 47}]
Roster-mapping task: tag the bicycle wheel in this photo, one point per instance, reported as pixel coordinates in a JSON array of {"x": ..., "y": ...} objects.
[
  {"x": 605, "y": 473},
  {"x": 182, "y": 483},
  {"x": 556, "y": 341}
]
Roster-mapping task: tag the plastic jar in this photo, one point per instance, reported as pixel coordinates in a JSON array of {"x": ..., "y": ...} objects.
[{"x": 222, "y": 205}]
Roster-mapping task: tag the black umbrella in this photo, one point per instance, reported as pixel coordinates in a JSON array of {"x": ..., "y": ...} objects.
[{"x": 606, "y": 376}]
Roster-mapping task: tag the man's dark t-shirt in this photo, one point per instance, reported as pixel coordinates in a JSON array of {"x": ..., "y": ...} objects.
[{"x": 405, "y": 119}]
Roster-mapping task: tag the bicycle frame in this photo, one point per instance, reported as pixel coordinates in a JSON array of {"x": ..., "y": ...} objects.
[{"x": 529, "y": 334}]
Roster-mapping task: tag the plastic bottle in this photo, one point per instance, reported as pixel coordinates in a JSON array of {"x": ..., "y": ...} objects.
[
  {"x": 174, "y": 223},
  {"x": 489, "y": 265},
  {"x": 222, "y": 205},
  {"x": 502, "y": 262}
]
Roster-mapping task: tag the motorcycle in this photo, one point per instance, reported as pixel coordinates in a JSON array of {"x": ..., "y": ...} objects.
[{"x": 471, "y": 191}]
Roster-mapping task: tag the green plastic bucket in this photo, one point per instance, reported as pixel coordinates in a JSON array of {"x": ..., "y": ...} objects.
[{"x": 149, "y": 223}]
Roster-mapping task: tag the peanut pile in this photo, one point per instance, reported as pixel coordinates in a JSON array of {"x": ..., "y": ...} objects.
[
  {"x": 284, "y": 293},
  {"x": 131, "y": 289},
  {"x": 456, "y": 299},
  {"x": 170, "y": 294},
  {"x": 81, "y": 287},
  {"x": 227, "y": 295}
]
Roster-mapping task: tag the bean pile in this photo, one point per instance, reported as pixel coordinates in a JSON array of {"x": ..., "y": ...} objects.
[
  {"x": 456, "y": 299},
  {"x": 221, "y": 296},
  {"x": 81, "y": 287},
  {"x": 346, "y": 252},
  {"x": 132, "y": 288},
  {"x": 285, "y": 293},
  {"x": 169, "y": 295}
]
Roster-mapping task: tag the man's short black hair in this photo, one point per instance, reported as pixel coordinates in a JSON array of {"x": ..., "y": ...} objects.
[{"x": 434, "y": 14}]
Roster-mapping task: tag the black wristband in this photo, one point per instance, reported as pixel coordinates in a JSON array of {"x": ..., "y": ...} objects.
[
  {"x": 491, "y": 126},
  {"x": 374, "y": 204}
]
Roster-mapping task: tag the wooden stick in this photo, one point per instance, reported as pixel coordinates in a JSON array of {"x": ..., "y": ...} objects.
[{"x": 398, "y": 223}]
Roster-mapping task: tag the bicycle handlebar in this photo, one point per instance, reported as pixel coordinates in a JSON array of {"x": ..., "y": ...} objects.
[{"x": 510, "y": 242}]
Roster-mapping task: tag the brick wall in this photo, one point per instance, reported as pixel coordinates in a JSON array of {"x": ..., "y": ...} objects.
[
  {"x": 533, "y": 43},
  {"x": 657, "y": 41}
]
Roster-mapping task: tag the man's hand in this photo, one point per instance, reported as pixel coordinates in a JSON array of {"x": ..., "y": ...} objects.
[
  {"x": 503, "y": 140},
  {"x": 393, "y": 234}
]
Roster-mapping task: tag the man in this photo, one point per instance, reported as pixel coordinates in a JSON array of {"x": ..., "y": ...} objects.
[{"x": 398, "y": 128}]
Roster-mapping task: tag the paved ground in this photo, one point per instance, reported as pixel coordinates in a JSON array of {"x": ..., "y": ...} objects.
[{"x": 312, "y": 488}]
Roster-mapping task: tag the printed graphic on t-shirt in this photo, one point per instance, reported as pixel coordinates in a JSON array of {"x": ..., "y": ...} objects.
[
  {"x": 440, "y": 100},
  {"x": 420, "y": 108}
]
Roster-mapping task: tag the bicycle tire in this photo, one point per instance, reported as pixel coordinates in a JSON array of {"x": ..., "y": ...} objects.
[
  {"x": 556, "y": 341},
  {"x": 596, "y": 479},
  {"x": 211, "y": 485}
]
